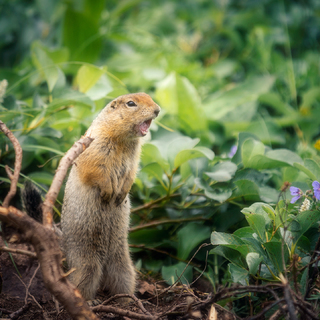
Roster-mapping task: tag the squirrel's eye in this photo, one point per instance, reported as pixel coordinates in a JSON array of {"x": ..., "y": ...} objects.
[{"x": 131, "y": 104}]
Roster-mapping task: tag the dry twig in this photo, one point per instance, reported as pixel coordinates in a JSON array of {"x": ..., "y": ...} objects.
[
  {"x": 19, "y": 251},
  {"x": 17, "y": 165},
  {"x": 65, "y": 163}
]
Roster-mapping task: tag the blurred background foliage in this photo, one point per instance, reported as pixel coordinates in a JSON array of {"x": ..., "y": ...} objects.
[{"x": 226, "y": 73}]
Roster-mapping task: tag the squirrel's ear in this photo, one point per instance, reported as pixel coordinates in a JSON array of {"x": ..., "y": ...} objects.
[{"x": 113, "y": 104}]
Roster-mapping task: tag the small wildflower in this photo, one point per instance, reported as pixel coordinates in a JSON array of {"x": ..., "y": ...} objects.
[
  {"x": 316, "y": 189},
  {"x": 297, "y": 193},
  {"x": 317, "y": 144},
  {"x": 233, "y": 151},
  {"x": 305, "y": 205},
  {"x": 3, "y": 88}
]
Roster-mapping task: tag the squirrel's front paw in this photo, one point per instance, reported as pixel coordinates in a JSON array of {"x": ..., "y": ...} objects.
[
  {"x": 105, "y": 196},
  {"x": 120, "y": 198}
]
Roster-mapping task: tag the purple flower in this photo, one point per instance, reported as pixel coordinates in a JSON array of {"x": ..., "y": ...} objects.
[
  {"x": 297, "y": 193},
  {"x": 316, "y": 189},
  {"x": 233, "y": 151}
]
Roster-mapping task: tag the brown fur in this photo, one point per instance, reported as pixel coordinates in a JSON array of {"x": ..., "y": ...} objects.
[{"x": 96, "y": 208}]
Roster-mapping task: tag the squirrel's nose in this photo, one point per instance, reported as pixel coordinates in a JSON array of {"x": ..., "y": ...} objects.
[{"x": 156, "y": 112}]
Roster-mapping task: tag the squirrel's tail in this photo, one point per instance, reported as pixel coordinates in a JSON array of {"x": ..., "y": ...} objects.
[{"x": 32, "y": 201}]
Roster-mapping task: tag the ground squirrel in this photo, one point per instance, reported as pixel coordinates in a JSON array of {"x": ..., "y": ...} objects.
[{"x": 96, "y": 207}]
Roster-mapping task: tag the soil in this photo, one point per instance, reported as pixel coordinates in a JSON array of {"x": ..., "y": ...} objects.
[{"x": 39, "y": 304}]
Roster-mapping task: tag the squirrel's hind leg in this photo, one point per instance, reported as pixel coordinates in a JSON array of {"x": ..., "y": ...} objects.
[
  {"x": 119, "y": 278},
  {"x": 86, "y": 276}
]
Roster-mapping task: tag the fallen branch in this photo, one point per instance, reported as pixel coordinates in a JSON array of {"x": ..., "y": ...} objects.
[
  {"x": 133, "y": 297},
  {"x": 17, "y": 165},
  {"x": 121, "y": 312},
  {"x": 19, "y": 251},
  {"x": 19, "y": 312},
  {"x": 65, "y": 163}
]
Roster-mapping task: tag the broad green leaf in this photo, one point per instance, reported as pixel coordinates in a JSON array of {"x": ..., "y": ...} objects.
[
  {"x": 188, "y": 154},
  {"x": 245, "y": 232},
  {"x": 238, "y": 274},
  {"x": 309, "y": 97},
  {"x": 274, "y": 250},
  {"x": 230, "y": 254},
  {"x": 171, "y": 273},
  {"x": 179, "y": 144},
  {"x": 220, "y": 238},
  {"x": 253, "y": 260},
  {"x": 225, "y": 103},
  {"x": 243, "y": 136},
  {"x": 258, "y": 224},
  {"x": 69, "y": 98},
  {"x": 220, "y": 193},
  {"x": 151, "y": 153},
  {"x": 223, "y": 171},
  {"x": 274, "y": 159},
  {"x": 179, "y": 97},
  {"x": 284, "y": 155},
  {"x": 251, "y": 148},
  {"x": 101, "y": 88},
  {"x": 230, "y": 241},
  {"x": 305, "y": 220},
  {"x": 274, "y": 100},
  {"x": 45, "y": 65},
  {"x": 154, "y": 169},
  {"x": 259, "y": 208},
  {"x": 190, "y": 236},
  {"x": 246, "y": 189},
  {"x": 310, "y": 168},
  {"x": 87, "y": 76}
]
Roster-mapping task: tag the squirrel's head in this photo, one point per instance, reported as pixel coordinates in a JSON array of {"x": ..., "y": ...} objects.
[{"x": 128, "y": 116}]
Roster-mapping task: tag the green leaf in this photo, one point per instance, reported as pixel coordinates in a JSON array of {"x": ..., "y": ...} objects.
[
  {"x": 224, "y": 104},
  {"x": 259, "y": 208},
  {"x": 190, "y": 236},
  {"x": 310, "y": 168},
  {"x": 154, "y": 169},
  {"x": 151, "y": 153},
  {"x": 246, "y": 189},
  {"x": 45, "y": 65},
  {"x": 220, "y": 193},
  {"x": 69, "y": 97},
  {"x": 251, "y": 148},
  {"x": 230, "y": 241},
  {"x": 171, "y": 273},
  {"x": 179, "y": 144},
  {"x": 253, "y": 260},
  {"x": 179, "y": 97},
  {"x": 223, "y": 171},
  {"x": 238, "y": 274},
  {"x": 274, "y": 249},
  {"x": 258, "y": 224},
  {"x": 305, "y": 220},
  {"x": 188, "y": 154},
  {"x": 274, "y": 100},
  {"x": 87, "y": 76},
  {"x": 230, "y": 254}
]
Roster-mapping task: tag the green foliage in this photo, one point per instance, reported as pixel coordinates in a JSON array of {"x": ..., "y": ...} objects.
[{"x": 225, "y": 73}]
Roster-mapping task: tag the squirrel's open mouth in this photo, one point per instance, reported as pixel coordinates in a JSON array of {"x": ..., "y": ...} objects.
[{"x": 144, "y": 127}]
